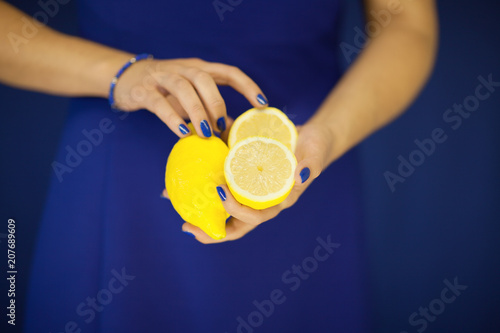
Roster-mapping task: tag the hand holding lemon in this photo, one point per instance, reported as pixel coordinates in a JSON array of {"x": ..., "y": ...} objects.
[{"x": 260, "y": 171}]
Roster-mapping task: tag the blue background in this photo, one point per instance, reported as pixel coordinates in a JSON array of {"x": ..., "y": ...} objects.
[{"x": 441, "y": 223}]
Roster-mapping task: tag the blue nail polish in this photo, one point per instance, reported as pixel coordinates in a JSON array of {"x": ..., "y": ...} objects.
[
  {"x": 261, "y": 99},
  {"x": 304, "y": 174},
  {"x": 221, "y": 124},
  {"x": 221, "y": 193},
  {"x": 205, "y": 129},
  {"x": 183, "y": 128},
  {"x": 188, "y": 233}
]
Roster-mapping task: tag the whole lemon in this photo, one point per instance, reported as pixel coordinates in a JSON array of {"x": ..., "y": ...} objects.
[{"x": 195, "y": 167}]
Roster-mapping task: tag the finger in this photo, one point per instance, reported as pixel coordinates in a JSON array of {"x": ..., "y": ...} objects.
[
  {"x": 239, "y": 81},
  {"x": 235, "y": 229},
  {"x": 310, "y": 158},
  {"x": 209, "y": 94},
  {"x": 185, "y": 93},
  {"x": 164, "y": 194},
  {"x": 174, "y": 103},
  {"x": 224, "y": 135},
  {"x": 310, "y": 163},
  {"x": 242, "y": 212},
  {"x": 157, "y": 104}
]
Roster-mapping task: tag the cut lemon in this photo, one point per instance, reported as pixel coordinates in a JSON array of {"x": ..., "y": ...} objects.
[
  {"x": 259, "y": 172},
  {"x": 268, "y": 122}
]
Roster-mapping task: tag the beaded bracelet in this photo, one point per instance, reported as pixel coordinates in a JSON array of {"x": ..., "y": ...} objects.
[{"x": 111, "y": 97}]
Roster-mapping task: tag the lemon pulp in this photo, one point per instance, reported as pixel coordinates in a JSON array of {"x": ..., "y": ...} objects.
[
  {"x": 259, "y": 172},
  {"x": 269, "y": 122}
]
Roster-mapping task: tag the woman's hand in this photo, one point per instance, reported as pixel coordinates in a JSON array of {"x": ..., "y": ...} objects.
[
  {"x": 181, "y": 89},
  {"x": 313, "y": 153}
]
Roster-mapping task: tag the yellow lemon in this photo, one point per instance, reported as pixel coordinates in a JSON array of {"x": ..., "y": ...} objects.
[
  {"x": 268, "y": 122},
  {"x": 259, "y": 172},
  {"x": 195, "y": 167}
]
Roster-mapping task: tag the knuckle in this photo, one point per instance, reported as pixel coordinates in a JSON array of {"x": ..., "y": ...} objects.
[
  {"x": 201, "y": 77},
  {"x": 217, "y": 103},
  {"x": 191, "y": 71},
  {"x": 233, "y": 70},
  {"x": 197, "y": 108},
  {"x": 167, "y": 80},
  {"x": 180, "y": 84},
  {"x": 161, "y": 67},
  {"x": 195, "y": 60}
]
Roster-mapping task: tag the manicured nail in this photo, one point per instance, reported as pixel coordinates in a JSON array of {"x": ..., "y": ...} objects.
[
  {"x": 304, "y": 174},
  {"x": 188, "y": 233},
  {"x": 261, "y": 99},
  {"x": 221, "y": 124},
  {"x": 221, "y": 193},
  {"x": 183, "y": 128},
  {"x": 205, "y": 129}
]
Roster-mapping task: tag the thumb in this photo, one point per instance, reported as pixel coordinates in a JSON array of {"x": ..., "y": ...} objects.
[
  {"x": 309, "y": 164},
  {"x": 225, "y": 134},
  {"x": 307, "y": 170},
  {"x": 311, "y": 152}
]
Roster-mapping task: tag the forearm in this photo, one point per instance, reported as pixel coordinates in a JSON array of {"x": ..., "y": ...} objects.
[
  {"x": 380, "y": 85},
  {"x": 52, "y": 62}
]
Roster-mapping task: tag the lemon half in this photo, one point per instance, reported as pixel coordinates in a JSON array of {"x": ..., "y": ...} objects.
[
  {"x": 269, "y": 122},
  {"x": 260, "y": 171}
]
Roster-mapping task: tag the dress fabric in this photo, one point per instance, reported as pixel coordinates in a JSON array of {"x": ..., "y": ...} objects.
[{"x": 111, "y": 256}]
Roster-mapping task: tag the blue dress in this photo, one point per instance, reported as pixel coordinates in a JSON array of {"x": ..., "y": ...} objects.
[{"x": 111, "y": 256}]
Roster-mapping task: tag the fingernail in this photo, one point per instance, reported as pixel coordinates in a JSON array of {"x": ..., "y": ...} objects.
[
  {"x": 183, "y": 128},
  {"x": 221, "y": 124},
  {"x": 221, "y": 193},
  {"x": 205, "y": 129},
  {"x": 188, "y": 233},
  {"x": 304, "y": 174},
  {"x": 163, "y": 197},
  {"x": 261, "y": 99}
]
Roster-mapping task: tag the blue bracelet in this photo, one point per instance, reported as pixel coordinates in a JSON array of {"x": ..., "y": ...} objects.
[{"x": 111, "y": 97}]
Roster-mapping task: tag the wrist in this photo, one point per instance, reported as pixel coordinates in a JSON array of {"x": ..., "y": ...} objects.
[
  {"x": 102, "y": 71},
  {"x": 121, "y": 71}
]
